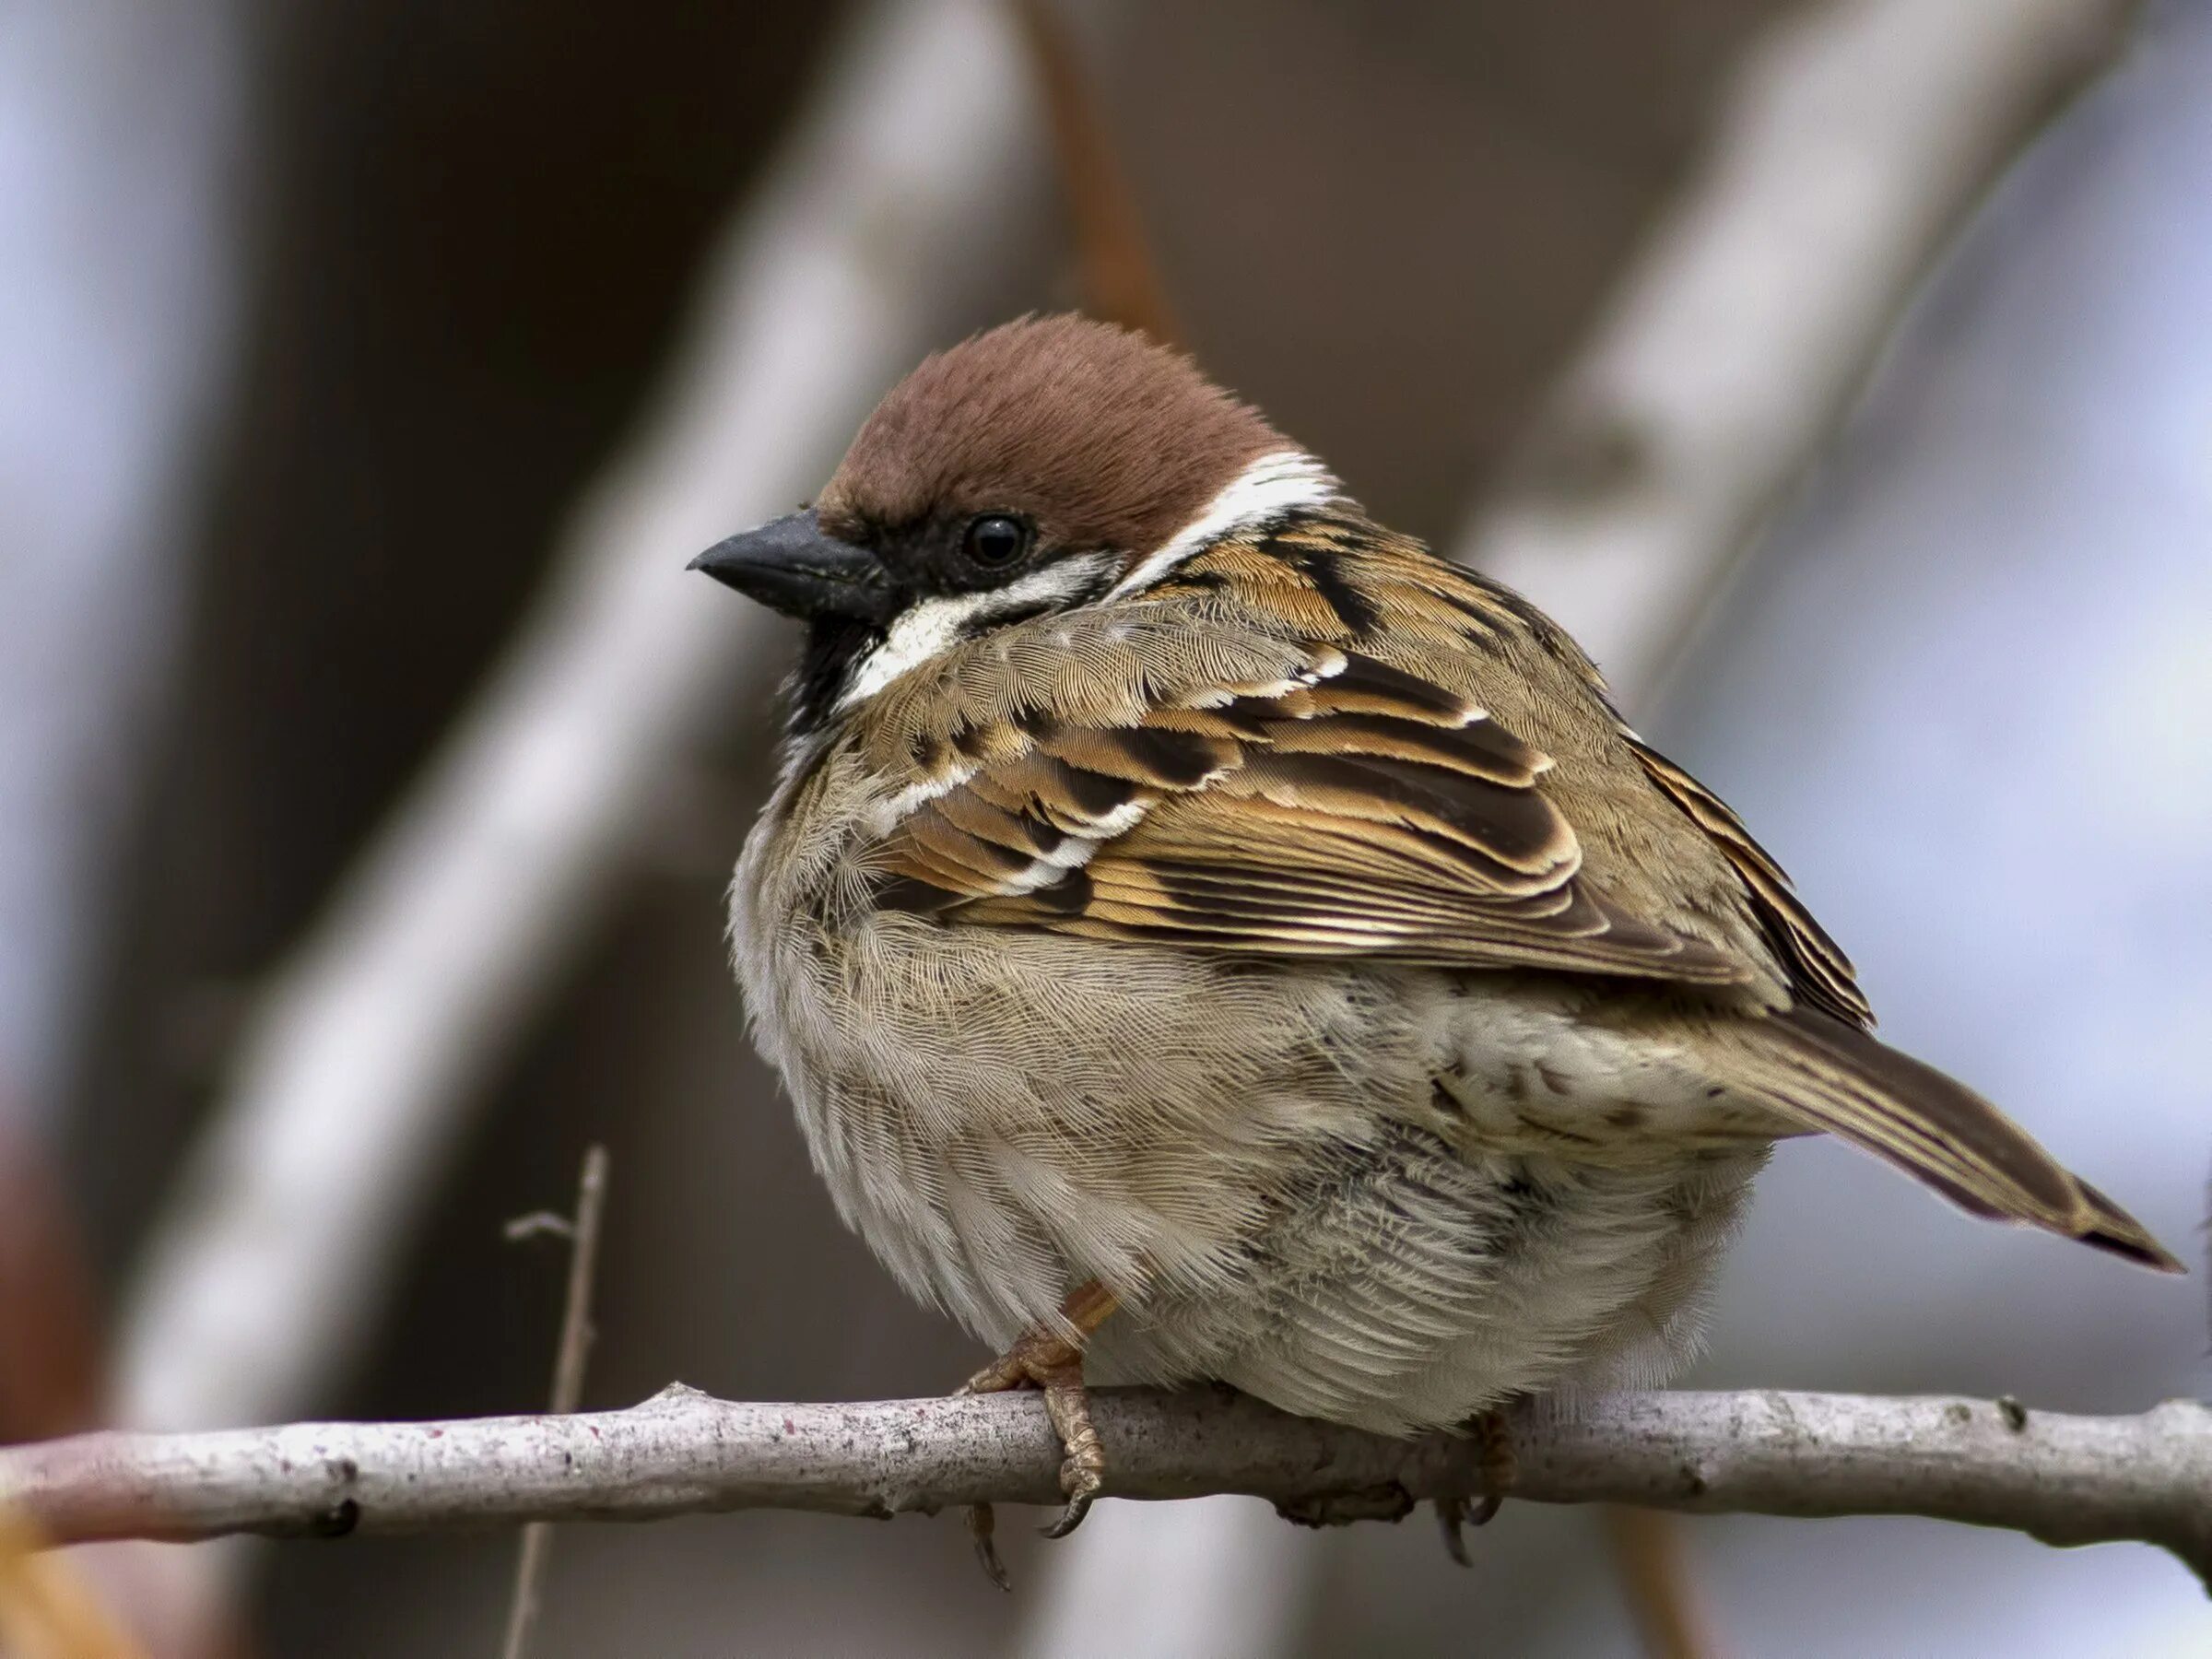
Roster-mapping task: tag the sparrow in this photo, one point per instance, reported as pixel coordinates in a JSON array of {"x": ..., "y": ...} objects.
[{"x": 1206, "y": 935}]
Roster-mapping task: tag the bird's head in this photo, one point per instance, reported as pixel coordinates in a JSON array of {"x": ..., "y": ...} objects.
[{"x": 1045, "y": 464}]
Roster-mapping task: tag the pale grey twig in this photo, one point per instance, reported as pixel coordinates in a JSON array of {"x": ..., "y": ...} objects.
[{"x": 2064, "y": 1479}]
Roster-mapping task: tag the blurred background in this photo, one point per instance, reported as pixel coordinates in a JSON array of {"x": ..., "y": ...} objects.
[{"x": 371, "y": 771}]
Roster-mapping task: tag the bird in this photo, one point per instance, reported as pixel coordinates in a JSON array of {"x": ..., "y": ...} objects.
[{"x": 1207, "y": 936}]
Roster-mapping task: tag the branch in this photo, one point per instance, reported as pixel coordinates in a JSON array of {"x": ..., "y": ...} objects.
[
  {"x": 1854, "y": 143},
  {"x": 2066, "y": 1481}
]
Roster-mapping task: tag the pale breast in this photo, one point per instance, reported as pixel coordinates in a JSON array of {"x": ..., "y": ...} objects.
[
  {"x": 1306, "y": 1178},
  {"x": 1003, "y": 1114}
]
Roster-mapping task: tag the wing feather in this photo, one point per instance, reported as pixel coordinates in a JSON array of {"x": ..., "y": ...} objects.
[
  {"x": 1236, "y": 792},
  {"x": 1821, "y": 976}
]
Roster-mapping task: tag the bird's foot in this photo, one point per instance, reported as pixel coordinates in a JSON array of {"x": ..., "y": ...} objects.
[
  {"x": 1494, "y": 1460},
  {"x": 1050, "y": 1359},
  {"x": 1495, "y": 1448}
]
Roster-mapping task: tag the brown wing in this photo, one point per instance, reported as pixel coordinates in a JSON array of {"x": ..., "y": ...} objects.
[
  {"x": 1215, "y": 790},
  {"x": 1820, "y": 975}
]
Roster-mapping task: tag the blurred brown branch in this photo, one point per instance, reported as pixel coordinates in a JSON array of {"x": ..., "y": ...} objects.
[
  {"x": 1120, "y": 279},
  {"x": 2065, "y": 1480},
  {"x": 1659, "y": 1584},
  {"x": 49, "y": 1354},
  {"x": 45, "y": 1609}
]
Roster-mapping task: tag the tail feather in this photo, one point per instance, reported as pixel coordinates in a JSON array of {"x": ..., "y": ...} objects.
[{"x": 1831, "y": 1077}]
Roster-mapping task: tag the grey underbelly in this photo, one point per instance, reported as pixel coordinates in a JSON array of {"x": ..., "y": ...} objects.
[
  {"x": 1324, "y": 1183},
  {"x": 1414, "y": 1288}
]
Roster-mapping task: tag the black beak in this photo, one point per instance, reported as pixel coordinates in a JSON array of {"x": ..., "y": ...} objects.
[{"x": 790, "y": 565}]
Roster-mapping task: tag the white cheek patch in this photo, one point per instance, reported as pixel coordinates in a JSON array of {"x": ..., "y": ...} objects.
[
  {"x": 1270, "y": 487},
  {"x": 929, "y": 628}
]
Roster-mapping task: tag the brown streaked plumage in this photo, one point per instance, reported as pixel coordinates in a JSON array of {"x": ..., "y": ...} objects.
[{"x": 1190, "y": 903}]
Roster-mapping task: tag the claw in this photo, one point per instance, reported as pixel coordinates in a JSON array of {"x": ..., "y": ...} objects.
[
  {"x": 1079, "y": 1506},
  {"x": 1450, "y": 1515},
  {"x": 1495, "y": 1451},
  {"x": 982, "y": 1523}
]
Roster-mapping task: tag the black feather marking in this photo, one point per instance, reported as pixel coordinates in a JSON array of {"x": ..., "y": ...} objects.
[
  {"x": 1252, "y": 716},
  {"x": 1042, "y": 836},
  {"x": 1366, "y": 676},
  {"x": 969, "y": 740},
  {"x": 1514, "y": 826},
  {"x": 1096, "y": 796},
  {"x": 1353, "y": 608},
  {"x": 1187, "y": 577},
  {"x": 1481, "y": 746},
  {"x": 978, "y": 852},
  {"x": 1067, "y": 897},
  {"x": 912, "y": 895},
  {"x": 1178, "y": 759}
]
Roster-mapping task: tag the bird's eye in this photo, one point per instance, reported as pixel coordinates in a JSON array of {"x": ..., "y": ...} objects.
[{"x": 996, "y": 540}]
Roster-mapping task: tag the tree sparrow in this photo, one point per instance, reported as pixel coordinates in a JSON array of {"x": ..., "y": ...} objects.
[{"x": 1206, "y": 935}]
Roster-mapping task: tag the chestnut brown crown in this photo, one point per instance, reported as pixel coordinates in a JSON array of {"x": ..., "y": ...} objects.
[{"x": 1097, "y": 437}]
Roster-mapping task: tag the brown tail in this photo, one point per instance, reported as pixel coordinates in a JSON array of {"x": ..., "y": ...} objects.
[{"x": 1829, "y": 1075}]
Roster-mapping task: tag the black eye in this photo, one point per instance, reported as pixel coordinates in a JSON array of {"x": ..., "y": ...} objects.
[{"x": 994, "y": 540}]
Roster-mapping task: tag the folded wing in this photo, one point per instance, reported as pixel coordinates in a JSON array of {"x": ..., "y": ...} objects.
[{"x": 1297, "y": 799}]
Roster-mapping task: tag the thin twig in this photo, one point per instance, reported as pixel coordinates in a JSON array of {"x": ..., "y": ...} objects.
[
  {"x": 2066, "y": 1481},
  {"x": 576, "y": 1335}
]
